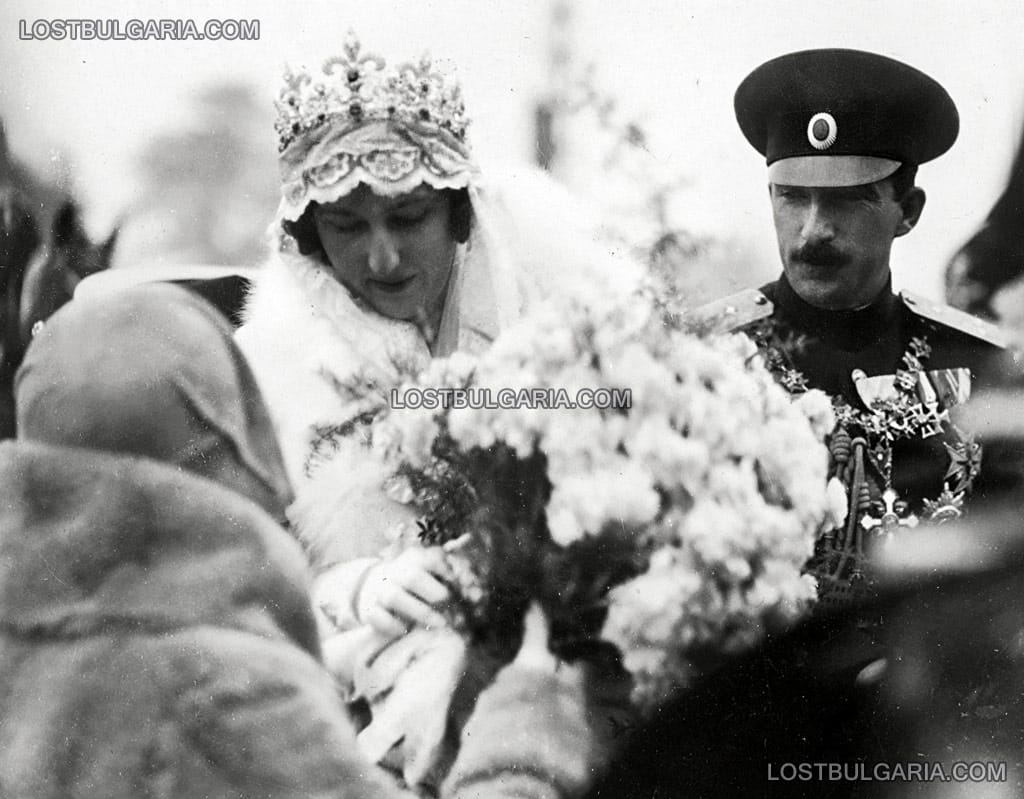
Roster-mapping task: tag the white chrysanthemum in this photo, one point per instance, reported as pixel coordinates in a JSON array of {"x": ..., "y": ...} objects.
[
  {"x": 521, "y": 429},
  {"x": 712, "y": 530},
  {"x": 650, "y": 607},
  {"x": 470, "y": 428},
  {"x": 672, "y": 458},
  {"x": 575, "y": 441},
  {"x": 563, "y": 525},
  {"x": 624, "y": 495},
  {"x": 632, "y": 366},
  {"x": 713, "y": 466},
  {"x": 817, "y": 408}
]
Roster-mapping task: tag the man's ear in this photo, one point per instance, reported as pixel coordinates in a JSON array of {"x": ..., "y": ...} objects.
[{"x": 911, "y": 205}]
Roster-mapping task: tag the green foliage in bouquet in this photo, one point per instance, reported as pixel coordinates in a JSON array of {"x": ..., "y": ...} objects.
[
  {"x": 487, "y": 507},
  {"x": 668, "y": 533}
]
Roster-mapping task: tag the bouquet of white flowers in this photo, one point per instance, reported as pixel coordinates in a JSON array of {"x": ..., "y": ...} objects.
[{"x": 667, "y": 528}]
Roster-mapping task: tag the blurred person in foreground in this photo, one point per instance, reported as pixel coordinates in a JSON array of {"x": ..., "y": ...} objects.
[
  {"x": 391, "y": 249},
  {"x": 843, "y": 133},
  {"x": 157, "y": 635}
]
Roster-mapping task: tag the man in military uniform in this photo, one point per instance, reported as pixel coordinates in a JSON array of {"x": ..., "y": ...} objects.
[{"x": 843, "y": 132}]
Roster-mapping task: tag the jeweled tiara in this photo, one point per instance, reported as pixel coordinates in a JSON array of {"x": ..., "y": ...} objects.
[{"x": 355, "y": 88}]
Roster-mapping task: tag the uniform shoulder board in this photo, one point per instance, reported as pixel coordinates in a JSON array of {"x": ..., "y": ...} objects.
[
  {"x": 733, "y": 312},
  {"x": 955, "y": 318}
]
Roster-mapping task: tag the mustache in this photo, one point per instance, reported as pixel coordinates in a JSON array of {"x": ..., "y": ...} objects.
[{"x": 820, "y": 254}]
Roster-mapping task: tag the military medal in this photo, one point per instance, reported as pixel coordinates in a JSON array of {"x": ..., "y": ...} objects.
[{"x": 912, "y": 403}]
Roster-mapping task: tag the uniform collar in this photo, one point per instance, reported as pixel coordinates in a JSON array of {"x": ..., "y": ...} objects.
[{"x": 848, "y": 328}]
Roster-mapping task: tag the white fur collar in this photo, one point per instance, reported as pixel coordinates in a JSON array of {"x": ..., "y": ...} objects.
[{"x": 307, "y": 340}]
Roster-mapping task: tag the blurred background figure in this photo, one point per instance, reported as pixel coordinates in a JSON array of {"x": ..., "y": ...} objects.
[
  {"x": 19, "y": 237},
  {"x": 992, "y": 261},
  {"x": 44, "y": 253},
  {"x": 39, "y": 196},
  {"x": 55, "y": 271},
  {"x": 204, "y": 189},
  {"x": 157, "y": 636}
]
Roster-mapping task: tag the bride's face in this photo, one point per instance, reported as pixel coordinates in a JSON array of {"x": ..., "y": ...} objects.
[{"x": 396, "y": 253}]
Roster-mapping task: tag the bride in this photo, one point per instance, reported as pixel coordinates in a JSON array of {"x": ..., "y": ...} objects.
[{"x": 390, "y": 249}]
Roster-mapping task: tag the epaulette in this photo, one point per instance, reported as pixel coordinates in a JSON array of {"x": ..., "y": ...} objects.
[
  {"x": 955, "y": 318},
  {"x": 732, "y": 312}
]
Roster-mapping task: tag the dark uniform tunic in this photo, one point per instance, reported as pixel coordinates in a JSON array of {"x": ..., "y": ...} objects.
[
  {"x": 894, "y": 370},
  {"x": 821, "y": 695}
]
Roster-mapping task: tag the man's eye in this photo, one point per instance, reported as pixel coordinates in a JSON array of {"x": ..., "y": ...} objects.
[{"x": 857, "y": 197}]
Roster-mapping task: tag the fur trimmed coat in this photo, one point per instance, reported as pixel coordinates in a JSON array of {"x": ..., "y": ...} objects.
[
  {"x": 322, "y": 361},
  {"x": 308, "y": 342},
  {"x": 156, "y": 639}
]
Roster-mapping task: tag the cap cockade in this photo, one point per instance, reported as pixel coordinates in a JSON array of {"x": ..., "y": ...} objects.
[{"x": 822, "y": 131}]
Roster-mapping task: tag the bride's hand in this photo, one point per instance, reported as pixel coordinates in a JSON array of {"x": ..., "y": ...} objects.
[{"x": 405, "y": 591}]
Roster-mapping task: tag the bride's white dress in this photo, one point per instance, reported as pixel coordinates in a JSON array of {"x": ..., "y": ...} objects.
[{"x": 322, "y": 359}]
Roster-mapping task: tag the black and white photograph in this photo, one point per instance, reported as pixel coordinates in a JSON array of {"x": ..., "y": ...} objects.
[{"x": 553, "y": 399}]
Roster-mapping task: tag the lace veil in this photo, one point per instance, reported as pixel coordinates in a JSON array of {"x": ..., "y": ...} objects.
[{"x": 396, "y": 128}]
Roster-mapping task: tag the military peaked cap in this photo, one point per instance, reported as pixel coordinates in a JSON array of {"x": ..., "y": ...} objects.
[{"x": 843, "y": 117}]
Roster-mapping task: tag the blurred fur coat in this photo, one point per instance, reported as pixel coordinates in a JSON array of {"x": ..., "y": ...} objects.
[
  {"x": 156, "y": 633},
  {"x": 156, "y": 639}
]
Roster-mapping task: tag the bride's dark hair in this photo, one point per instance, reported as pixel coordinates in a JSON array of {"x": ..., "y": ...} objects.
[{"x": 303, "y": 229}]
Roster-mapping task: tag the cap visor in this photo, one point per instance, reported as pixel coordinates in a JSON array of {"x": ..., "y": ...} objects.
[{"x": 830, "y": 170}]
